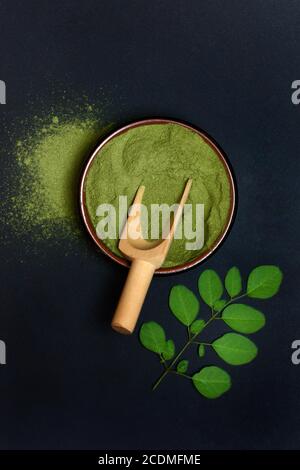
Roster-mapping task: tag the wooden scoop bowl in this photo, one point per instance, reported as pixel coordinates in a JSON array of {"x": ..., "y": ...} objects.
[{"x": 146, "y": 257}]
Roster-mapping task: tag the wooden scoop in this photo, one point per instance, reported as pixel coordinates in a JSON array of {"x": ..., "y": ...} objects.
[{"x": 146, "y": 257}]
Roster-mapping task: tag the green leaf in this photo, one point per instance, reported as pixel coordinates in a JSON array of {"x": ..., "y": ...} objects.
[
  {"x": 182, "y": 366},
  {"x": 243, "y": 318},
  {"x": 219, "y": 304},
  {"x": 235, "y": 349},
  {"x": 197, "y": 326},
  {"x": 183, "y": 304},
  {"x": 212, "y": 381},
  {"x": 169, "y": 350},
  {"x": 152, "y": 337},
  {"x": 210, "y": 287},
  {"x": 264, "y": 282},
  {"x": 233, "y": 281},
  {"x": 201, "y": 350}
]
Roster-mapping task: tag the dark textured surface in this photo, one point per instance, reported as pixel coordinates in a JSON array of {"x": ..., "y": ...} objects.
[{"x": 226, "y": 67}]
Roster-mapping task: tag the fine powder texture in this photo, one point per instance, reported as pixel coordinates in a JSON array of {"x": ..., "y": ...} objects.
[
  {"x": 43, "y": 198},
  {"x": 162, "y": 157}
]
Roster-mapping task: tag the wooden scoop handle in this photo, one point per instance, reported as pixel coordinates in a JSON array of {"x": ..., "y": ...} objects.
[{"x": 133, "y": 296}]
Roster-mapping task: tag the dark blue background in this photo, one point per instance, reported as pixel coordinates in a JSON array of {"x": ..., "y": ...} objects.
[{"x": 227, "y": 67}]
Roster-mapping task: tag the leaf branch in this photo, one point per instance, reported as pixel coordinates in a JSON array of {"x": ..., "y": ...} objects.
[
  {"x": 234, "y": 348},
  {"x": 170, "y": 367}
]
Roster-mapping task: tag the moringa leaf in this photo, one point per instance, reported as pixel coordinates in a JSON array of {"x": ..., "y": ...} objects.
[
  {"x": 210, "y": 287},
  {"x": 264, "y": 282},
  {"x": 243, "y": 318},
  {"x": 235, "y": 349},
  {"x": 219, "y": 304},
  {"x": 183, "y": 304},
  {"x": 152, "y": 337},
  {"x": 197, "y": 326},
  {"x": 212, "y": 381},
  {"x": 201, "y": 350},
  {"x": 169, "y": 350},
  {"x": 233, "y": 281},
  {"x": 182, "y": 366}
]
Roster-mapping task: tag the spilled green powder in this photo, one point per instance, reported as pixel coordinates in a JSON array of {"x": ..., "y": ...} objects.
[
  {"x": 43, "y": 197},
  {"x": 162, "y": 157}
]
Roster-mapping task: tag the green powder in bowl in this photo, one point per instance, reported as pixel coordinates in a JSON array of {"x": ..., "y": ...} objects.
[{"x": 162, "y": 156}]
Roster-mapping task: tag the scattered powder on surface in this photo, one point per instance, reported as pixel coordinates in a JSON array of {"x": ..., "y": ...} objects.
[
  {"x": 162, "y": 157},
  {"x": 42, "y": 195}
]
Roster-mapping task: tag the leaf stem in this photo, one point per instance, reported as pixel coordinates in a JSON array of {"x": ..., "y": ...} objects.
[
  {"x": 169, "y": 368},
  {"x": 181, "y": 373},
  {"x": 162, "y": 360},
  {"x": 236, "y": 298},
  {"x": 200, "y": 342},
  {"x": 189, "y": 332},
  {"x": 163, "y": 375}
]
